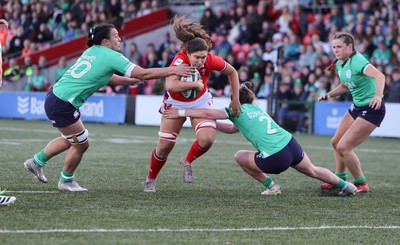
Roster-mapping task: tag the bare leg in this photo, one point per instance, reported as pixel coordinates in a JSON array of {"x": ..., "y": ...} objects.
[
  {"x": 245, "y": 159},
  {"x": 75, "y": 152},
  {"x": 323, "y": 174},
  {"x": 56, "y": 146},
  {"x": 354, "y": 136},
  {"x": 344, "y": 125}
]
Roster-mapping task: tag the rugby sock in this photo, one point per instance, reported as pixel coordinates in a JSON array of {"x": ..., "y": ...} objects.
[
  {"x": 360, "y": 180},
  {"x": 341, "y": 184},
  {"x": 267, "y": 183},
  {"x": 40, "y": 159},
  {"x": 195, "y": 152},
  {"x": 66, "y": 176},
  {"x": 342, "y": 175},
  {"x": 156, "y": 165}
]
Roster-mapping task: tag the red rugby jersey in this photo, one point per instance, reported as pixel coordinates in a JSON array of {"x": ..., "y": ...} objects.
[{"x": 212, "y": 63}]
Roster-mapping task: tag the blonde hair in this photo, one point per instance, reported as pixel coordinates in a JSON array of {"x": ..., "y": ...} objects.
[{"x": 192, "y": 35}]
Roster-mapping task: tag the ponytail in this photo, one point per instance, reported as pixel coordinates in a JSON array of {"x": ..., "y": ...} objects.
[{"x": 98, "y": 33}]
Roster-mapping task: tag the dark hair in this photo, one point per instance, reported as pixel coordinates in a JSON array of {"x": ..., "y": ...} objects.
[
  {"x": 346, "y": 39},
  {"x": 98, "y": 33},
  {"x": 193, "y": 37},
  {"x": 246, "y": 95}
]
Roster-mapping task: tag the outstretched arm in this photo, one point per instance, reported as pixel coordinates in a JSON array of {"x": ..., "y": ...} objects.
[
  {"x": 340, "y": 89},
  {"x": 155, "y": 73},
  {"x": 121, "y": 80},
  {"x": 227, "y": 128},
  {"x": 203, "y": 113}
]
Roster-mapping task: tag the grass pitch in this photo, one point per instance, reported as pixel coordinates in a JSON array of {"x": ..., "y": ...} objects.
[{"x": 222, "y": 206}]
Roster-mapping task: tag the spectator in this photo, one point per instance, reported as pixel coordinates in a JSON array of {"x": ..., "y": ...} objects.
[
  {"x": 17, "y": 43},
  {"x": 208, "y": 20},
  {"x": 223, "y": 44},
  {"x": 296, "y": 110},
  {"x": 36, "y": 82},
  {"x": 28, "y": 48},
  {"x": 394, "y": 92},
  {"x": 134, "y": 54},
  {"x": 13, "y": 72},
  {"x": 381, "y": 55},
  {"x": 270, "y": 54},
  {"x": 61, "y": 68},
  {"x": 165, "y": 44}
]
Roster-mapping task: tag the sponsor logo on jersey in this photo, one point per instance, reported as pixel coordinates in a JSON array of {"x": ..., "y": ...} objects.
[{"x": 178, "y": 61}]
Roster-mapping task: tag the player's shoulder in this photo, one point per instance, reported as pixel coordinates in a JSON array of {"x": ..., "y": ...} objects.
[{"x": 180, "y": 58}]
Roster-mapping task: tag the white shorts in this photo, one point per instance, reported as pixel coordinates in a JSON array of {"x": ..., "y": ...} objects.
[{"x": 205, "y": 101}]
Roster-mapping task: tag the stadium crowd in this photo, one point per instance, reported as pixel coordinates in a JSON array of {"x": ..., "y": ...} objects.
[{"x": 258, "y": 37}]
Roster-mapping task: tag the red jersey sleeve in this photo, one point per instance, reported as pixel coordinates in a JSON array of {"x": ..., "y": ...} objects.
[{"x": 180, "y": 58}]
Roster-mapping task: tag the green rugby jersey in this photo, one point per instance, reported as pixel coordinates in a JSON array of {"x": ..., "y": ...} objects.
[
  {"x": 90, "y": 72},
  {"x": 361, "y": 86},
  {"x": 260, "y": 129}
]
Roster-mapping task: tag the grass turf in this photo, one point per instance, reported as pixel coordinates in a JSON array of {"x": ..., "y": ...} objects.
[{"x": 222, "y": 206}]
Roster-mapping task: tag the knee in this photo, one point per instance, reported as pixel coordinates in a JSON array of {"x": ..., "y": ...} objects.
[
  {"x": 334, "y": 143},
  {"x": 162, "y": 151},
  {"x": 240, "y": 158},
  {"x": 341, "y": 149},
  {"x": 81, "y": 147},
  {"x": 206, "y": 143}
]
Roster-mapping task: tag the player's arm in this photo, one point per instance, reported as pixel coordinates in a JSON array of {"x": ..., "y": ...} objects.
[
  {"x": 227, "y": 128},
  {"x": 379, "y": 78},
  {"x": 174, "y": 84},
  {"x": 121, "y": 80},
  {"x": 233, "y": 77},
  {"x": 155, "y": 73},
  {"x": 340, "y": 89},
  {"x": 203, "y": 113}
]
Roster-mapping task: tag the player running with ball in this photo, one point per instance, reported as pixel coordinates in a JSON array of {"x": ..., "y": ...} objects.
[{"x": 195, "y": 46}]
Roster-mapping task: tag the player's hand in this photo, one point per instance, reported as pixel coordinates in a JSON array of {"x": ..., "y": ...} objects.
[
  {"x": 135, "y": 81},
  {"x": 200, "y": 85},
  {"x": 324, "y": 97},
  {"x": 376, "y": 102},
  {"x": 235, "y": 107},
  {"x": 171, "y": 113},
  {"x": 183, "y": 70}
]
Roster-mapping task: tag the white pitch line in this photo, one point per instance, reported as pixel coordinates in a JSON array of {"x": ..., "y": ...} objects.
[
  {"x": 196, "y": 230},
  {"x": 33, "y": 192}
]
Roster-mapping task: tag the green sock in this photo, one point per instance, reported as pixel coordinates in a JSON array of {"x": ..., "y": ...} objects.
[
  {"x": 66, "y": 176},
  {"x": 341, "y": 184},
  {"x": 342, "y": 175},
  {"x": 40, "y": 159},
  {"x": 267, "y": 182},
  {"x": 360, "y": 180}
]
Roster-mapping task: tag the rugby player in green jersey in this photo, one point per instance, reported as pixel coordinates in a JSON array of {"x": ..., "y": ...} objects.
[
  {"x": 94, "y": 69},
  {"x": 365, "y": 84},
  {"x": 276, "y": 148}
]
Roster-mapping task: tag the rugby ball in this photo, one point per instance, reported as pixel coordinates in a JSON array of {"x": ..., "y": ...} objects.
[{"x": 190, "y": 94}]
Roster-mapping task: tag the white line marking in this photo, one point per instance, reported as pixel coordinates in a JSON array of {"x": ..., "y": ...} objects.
[
  {"x": 196, "y": 230},
  {"x": 33, "y": 192},
  {"x": 138, "y": 139}
]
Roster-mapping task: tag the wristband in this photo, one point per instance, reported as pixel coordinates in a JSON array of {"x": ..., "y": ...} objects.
[{"x": 181, "y": 113}]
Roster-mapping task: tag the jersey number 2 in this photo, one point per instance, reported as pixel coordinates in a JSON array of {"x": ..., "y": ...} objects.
[{"x": 270, "y": 130}]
